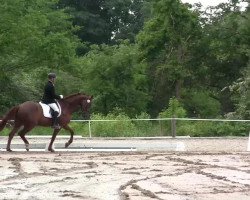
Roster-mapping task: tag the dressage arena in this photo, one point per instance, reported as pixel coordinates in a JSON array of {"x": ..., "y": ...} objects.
[{"x": 136, "y": 169}]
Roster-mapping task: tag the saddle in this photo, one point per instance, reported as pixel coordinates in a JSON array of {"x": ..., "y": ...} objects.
[{"x": 47, "y": 111}]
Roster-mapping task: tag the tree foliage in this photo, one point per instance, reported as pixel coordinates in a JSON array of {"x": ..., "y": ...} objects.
[
  {"x": 35, "y": 37},
  {"x": 106, "y": 21},
  {"x": 167, "y": 41},
  {"x": 134, "y": 56},
  {"x": 116, "y": 78}
]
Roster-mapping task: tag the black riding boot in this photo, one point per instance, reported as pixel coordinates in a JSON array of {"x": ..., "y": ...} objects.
[{"x": 55, "y": 121}]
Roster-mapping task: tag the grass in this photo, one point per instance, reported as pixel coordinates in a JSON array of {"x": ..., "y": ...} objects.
[{"x": 131, "y": 128}]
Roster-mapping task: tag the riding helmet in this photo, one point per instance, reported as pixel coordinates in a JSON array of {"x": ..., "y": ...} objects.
[{"x": 51, "y": 75}]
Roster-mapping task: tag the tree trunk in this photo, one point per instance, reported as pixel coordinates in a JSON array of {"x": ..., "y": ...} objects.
[
  {"x": 178, "y": 82},
  {"x": 178, "y": 89}
]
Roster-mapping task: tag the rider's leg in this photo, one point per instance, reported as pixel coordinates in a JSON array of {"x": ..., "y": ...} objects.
[{"x": 55, "y": 120}]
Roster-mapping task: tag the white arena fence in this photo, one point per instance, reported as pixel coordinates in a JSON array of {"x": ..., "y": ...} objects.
[{"x": 162, "y": 126}]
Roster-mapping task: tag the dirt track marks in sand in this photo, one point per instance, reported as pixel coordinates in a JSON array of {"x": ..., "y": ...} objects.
[
  {"x": 135, "y": 176},
  {"x": 192, "y": 167}
]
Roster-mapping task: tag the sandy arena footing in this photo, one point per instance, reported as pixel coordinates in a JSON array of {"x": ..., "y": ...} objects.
[{"x": 139, "y": 175}]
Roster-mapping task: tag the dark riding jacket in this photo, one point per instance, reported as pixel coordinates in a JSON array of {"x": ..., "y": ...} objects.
[{"x": 49, "y": 95}]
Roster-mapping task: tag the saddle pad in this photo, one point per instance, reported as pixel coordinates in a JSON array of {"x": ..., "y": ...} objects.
[{"x": 46, "y": 110}]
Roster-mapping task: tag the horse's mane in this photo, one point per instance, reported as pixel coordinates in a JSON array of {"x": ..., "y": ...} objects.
[{"x": 72, "y": 95}]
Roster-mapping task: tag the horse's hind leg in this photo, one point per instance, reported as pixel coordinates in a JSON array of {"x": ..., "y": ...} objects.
[
  {"x": 11, "y": 135},
  {"x": 22, "y": 135}
]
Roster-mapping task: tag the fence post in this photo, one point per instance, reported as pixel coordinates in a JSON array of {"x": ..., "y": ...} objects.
[
  {"x": 90, "y": 134},
  {"x": 248, "y": 145},
  {"x": 161, "y": 132},
  {"x": 173, "y": 127}
]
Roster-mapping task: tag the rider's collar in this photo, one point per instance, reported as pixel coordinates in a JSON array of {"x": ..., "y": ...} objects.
[{"x": 51, "y": 82}]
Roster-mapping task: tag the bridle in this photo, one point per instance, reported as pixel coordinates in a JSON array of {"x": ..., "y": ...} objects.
[{"x": 84, "y": 110}]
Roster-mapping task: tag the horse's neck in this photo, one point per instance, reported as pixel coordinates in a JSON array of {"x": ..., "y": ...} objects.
[{"x": 73, "y": 104}]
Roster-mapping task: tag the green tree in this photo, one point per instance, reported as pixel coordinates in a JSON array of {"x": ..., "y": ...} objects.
[
  {"x": 166, "y": 42},
  {"x": 35, "y": 37},
  {"x": 226, "y": 44},
  {"x": 241, "y": 96},
  {"x": 116, "y": 78},
  {"x": 106, "y": 21}
]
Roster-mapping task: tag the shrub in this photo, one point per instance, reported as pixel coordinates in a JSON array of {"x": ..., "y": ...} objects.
[
  {"x": 174, "y": 109},
  {"x": 201, "y": 103},
  {"x": 121, "y": 128}
]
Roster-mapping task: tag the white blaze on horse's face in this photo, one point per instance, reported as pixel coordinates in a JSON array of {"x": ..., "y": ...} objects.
[{"x": 88, "y": 101}]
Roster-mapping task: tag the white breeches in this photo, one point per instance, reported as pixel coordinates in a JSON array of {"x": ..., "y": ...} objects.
[{"x": 54, "y": 107}]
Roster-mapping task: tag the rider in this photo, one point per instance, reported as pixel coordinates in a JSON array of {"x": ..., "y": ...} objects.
[{"x": 49, "y": 97}]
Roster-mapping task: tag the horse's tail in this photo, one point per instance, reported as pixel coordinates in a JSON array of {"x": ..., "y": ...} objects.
[{"x": 10, "y": 115}]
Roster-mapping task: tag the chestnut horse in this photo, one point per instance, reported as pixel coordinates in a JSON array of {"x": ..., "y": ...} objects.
[{"x": 30, "y": 114}]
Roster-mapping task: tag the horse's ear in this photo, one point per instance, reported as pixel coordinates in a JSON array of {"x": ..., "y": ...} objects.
[{"x": 91, "y": 97}]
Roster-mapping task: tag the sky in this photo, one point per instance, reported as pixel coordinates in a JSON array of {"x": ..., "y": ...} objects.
[{"x": 206, "y": 3}]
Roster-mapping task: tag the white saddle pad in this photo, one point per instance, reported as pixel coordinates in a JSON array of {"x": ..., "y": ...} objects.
[{"x": 46, "y": 110}]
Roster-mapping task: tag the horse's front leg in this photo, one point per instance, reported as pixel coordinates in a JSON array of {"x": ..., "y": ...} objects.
[
  {"x": 71, "y": 135},
  {"x": 56, "y": 131}
]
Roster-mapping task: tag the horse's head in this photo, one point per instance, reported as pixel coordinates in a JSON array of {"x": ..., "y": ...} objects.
[
  {"x": 82, "y": 100},
  {"x": 85, "y": 106}
]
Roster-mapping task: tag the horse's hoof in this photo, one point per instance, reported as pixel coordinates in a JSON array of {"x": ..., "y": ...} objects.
[
  {"x": 66, "y": 145},
  {"x": 9, "y": 150},
  {"x": 51, "y": 150},
  {"x": 27, "y": 147}
]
